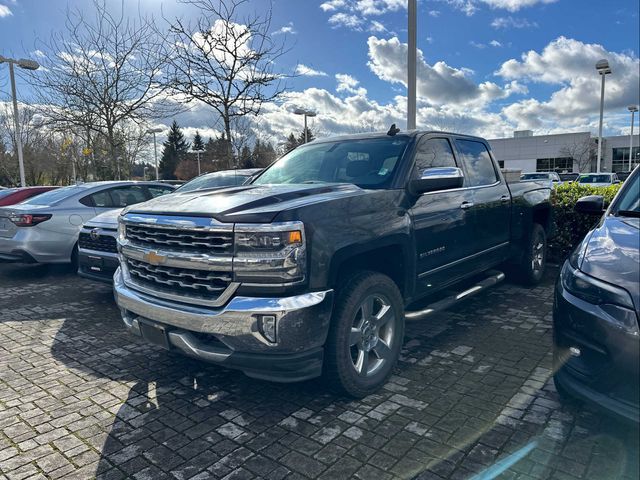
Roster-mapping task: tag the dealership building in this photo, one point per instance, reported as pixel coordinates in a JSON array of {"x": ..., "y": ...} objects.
[{"x": 564, "y": 152}]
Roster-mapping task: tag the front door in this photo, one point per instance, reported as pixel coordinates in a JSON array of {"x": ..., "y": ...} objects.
[{"x": 442, "y": 222}]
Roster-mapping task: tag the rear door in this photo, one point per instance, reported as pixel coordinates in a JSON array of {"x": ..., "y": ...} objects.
[
  {"x": 491, "y": 202},
  {"x": 442, "y": 224}
]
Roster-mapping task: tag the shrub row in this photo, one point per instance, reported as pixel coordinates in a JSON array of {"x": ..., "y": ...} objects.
[{"x": 570, "y": 227}]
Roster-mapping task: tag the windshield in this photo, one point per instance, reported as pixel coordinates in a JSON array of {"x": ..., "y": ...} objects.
[
  {"x": 367, "y": 163},
  {"x": 53, "y": 196},
  {"x": 213, "y": 180},
  {"x": 629, "y": 199},
  {"x": 595, "y": 179},
  {"x": 534, "y": 176}
]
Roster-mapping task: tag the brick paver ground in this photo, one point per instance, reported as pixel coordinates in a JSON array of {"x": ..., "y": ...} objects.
[{"x": 80, "y": 398}]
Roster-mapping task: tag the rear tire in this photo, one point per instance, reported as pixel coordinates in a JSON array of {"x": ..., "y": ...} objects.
[
  {"x": 74, "y": 257},
  {"x": 365, "y": 335},
  {"x": 531, "y": 269}
]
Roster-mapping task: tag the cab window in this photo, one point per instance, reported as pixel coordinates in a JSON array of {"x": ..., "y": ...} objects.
[
  {"x": 478, "y": 164},
  {"x": 433, "y": 152}
]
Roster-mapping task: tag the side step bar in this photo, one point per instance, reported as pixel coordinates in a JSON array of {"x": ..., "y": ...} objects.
[{"x": 494, "y": 278}]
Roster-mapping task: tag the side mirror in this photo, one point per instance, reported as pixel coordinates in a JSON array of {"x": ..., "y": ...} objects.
[
  {"x": 437, "y": 178},
  {"x": 591, "y": 205}
]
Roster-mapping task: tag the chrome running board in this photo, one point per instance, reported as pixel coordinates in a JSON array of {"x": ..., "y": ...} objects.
[{"x": 494, "y": 278}]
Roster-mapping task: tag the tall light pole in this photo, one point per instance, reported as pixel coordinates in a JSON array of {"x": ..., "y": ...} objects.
[
  {"x": 306, "y": 113},
  {"x": 197, "y": 152},
  {"x": 411, "y": 64},
  {"x": 603, "y": 69},
  {"x": 27, "y": 65},
  {"x": 155, "y": 146},
  {"x": 633, "y": 109}
]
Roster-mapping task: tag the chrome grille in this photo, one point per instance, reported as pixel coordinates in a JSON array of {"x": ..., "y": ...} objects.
[
  {"x": 194, "y": 284},
  {"x": 180, "y": 240}
]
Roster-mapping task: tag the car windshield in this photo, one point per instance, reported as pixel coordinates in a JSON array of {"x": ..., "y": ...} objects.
[
  {"x": 53, "y": 196},
  {"x": 629, "y": 199},
  {"x": 367, "y": 163},
  {"x": 214, "y": 180},
  {"x": 595, "y": 179},
  {"x": 534, "y": 176},
  {"x": 7, "y": 192}
]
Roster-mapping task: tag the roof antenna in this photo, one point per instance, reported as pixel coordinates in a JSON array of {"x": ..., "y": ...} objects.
[{"x": 393, "y": 130}]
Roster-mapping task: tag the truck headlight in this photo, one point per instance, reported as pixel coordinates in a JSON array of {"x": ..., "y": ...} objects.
[
  {"x": 273, "y": 254},
  {"x": 615, "y": 303}
]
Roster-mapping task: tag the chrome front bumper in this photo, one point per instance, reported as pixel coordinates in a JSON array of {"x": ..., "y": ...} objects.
[{"x": 230, "y": 335}]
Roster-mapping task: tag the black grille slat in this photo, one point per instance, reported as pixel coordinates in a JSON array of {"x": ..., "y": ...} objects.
[
  {"x": 180, "y": 240},
  {"x": 103, "y": 243},
  {"x": 179, "y": 281}
]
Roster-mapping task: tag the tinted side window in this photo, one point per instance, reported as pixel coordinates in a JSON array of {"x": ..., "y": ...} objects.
[
  {"x": 157, "y": 191},
  {"x": 101, "y": 199},
  {"x": 125, "y": 196},
  {"x": 433, "y": 152},
  {"x": 479, "y": 167}
]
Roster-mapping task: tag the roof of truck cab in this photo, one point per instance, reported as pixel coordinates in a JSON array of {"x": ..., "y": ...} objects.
[{"x": 406, "y": 133}]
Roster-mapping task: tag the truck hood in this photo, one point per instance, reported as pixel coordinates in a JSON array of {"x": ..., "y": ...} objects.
[
  {"x": 612, "y": 254},
  {"x": 246, "y": 203},
  {"x": 108, "y": 219}
]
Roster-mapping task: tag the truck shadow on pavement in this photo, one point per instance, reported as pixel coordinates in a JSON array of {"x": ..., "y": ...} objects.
[{"x": 470, "y": 392}]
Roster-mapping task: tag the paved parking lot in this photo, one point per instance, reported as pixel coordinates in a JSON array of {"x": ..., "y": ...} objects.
[{"x": 79, "y": 398}]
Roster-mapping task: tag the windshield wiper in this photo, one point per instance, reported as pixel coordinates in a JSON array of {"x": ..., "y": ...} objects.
[{"x": 628, "y": 213}]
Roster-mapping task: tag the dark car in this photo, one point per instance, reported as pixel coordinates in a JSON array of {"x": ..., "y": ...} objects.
[
  {"x": 568, "y": 177},
  {"x": 224, "y": 178},
  {"x": 597, "y": 305},
  {"x": 11, "y": 196}
]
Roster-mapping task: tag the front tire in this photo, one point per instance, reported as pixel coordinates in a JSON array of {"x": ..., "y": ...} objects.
[{"x": 365, "y": 336}]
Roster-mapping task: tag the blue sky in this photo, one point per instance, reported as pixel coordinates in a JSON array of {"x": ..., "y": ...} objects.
[{"x": 488, "y": 66}]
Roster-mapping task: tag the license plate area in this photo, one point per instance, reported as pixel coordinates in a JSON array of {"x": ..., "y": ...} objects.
[
  {"x": 95, "y": 263},
  {"x": 154, "y": 333}
]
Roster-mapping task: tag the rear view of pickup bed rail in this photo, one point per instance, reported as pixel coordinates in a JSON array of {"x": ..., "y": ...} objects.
[{"x": 307, "y": 271}]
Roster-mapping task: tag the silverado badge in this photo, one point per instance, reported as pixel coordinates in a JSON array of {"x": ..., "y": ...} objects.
[{"x": 154, "y": 258}]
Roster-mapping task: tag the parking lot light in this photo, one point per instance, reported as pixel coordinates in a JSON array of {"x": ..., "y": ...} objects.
[
  {"x": 633, "y": 109},
  {"x": 27, "y": 65},
  {"x": 306, "y": 113},
  {"x": 155, "y": 146},
  {"x": 603, "y": 68}
]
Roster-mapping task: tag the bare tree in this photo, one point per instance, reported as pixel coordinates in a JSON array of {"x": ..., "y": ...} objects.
[
  {"x": 102, "y": 73},
  {"x": 226, "y": 61},
  {"x": 583, "y": 152}
]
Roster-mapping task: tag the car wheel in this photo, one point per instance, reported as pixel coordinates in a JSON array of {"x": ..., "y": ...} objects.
[
  {"x": 74, "y": 257},
  {"x": 534, "y": 261},
  {"x": 365, "y": 336}
]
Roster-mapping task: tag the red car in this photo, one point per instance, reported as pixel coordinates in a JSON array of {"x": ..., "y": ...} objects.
[{"x": 11, "y": 196}]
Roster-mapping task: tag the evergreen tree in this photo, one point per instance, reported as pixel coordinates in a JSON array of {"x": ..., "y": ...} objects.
[
  {"x": 175, "y": 148},
  {"x": 310, "y": 136},
  {"x": 245, "y": 158},
  {"x": 263, "y": 154},
  {"x": 198, "y": 144},
  {"x": 291, "y": 143},
  {"x": 216, "y": 151}
]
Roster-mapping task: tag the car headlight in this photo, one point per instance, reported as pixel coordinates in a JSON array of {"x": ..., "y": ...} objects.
[
  {"x": 273, "y": 254},
  {"x": 614, "y": 302},
  {"x": 122, "y": 230}
]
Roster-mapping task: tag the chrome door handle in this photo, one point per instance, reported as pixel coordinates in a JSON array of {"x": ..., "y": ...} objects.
[
  {"x": 504, "y": 198},
  {"x": 466, "y": 205}
]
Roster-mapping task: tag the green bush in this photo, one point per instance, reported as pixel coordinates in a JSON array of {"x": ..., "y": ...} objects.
[{"x": 570, "y": 227}]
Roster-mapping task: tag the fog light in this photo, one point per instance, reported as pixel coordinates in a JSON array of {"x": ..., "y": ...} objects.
[
  {"x": 574, "y": 351},
  {"x": 267, "y": 325}
]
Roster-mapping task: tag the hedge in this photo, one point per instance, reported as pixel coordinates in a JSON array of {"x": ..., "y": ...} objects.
[{"x": 570, "y": 227}]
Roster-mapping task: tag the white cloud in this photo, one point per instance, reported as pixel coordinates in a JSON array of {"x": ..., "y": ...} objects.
[
  {"x": 286, "y": 29},
  {"x": 511, "y": 22},
  {"x": 349, "y": 84},
  {"x": 308, "y": 71},
  {"x": 469, "y": 7},
  {"x": 346, "y": 20},
  {"x": 434, "y": 13},
  {"x": 569, "y": 64},
  {"x": 515, "y": 5},
  {"x": 332, "y": 5},
  {"x": 5, "y": 11},
  {"x": 377, "y": 27},
  {"x": 477, "y": 45},
  {"x": 379, "y": 7},
  {"x": 495, "y": 43},
  {"x": 438, "y": 84}
]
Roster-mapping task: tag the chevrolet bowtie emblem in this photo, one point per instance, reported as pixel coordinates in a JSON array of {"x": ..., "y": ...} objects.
[{"x": 154, "y": 258}]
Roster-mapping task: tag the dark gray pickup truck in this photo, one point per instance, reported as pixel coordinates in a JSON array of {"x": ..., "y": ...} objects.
[{"x": 312, "y": 268}]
